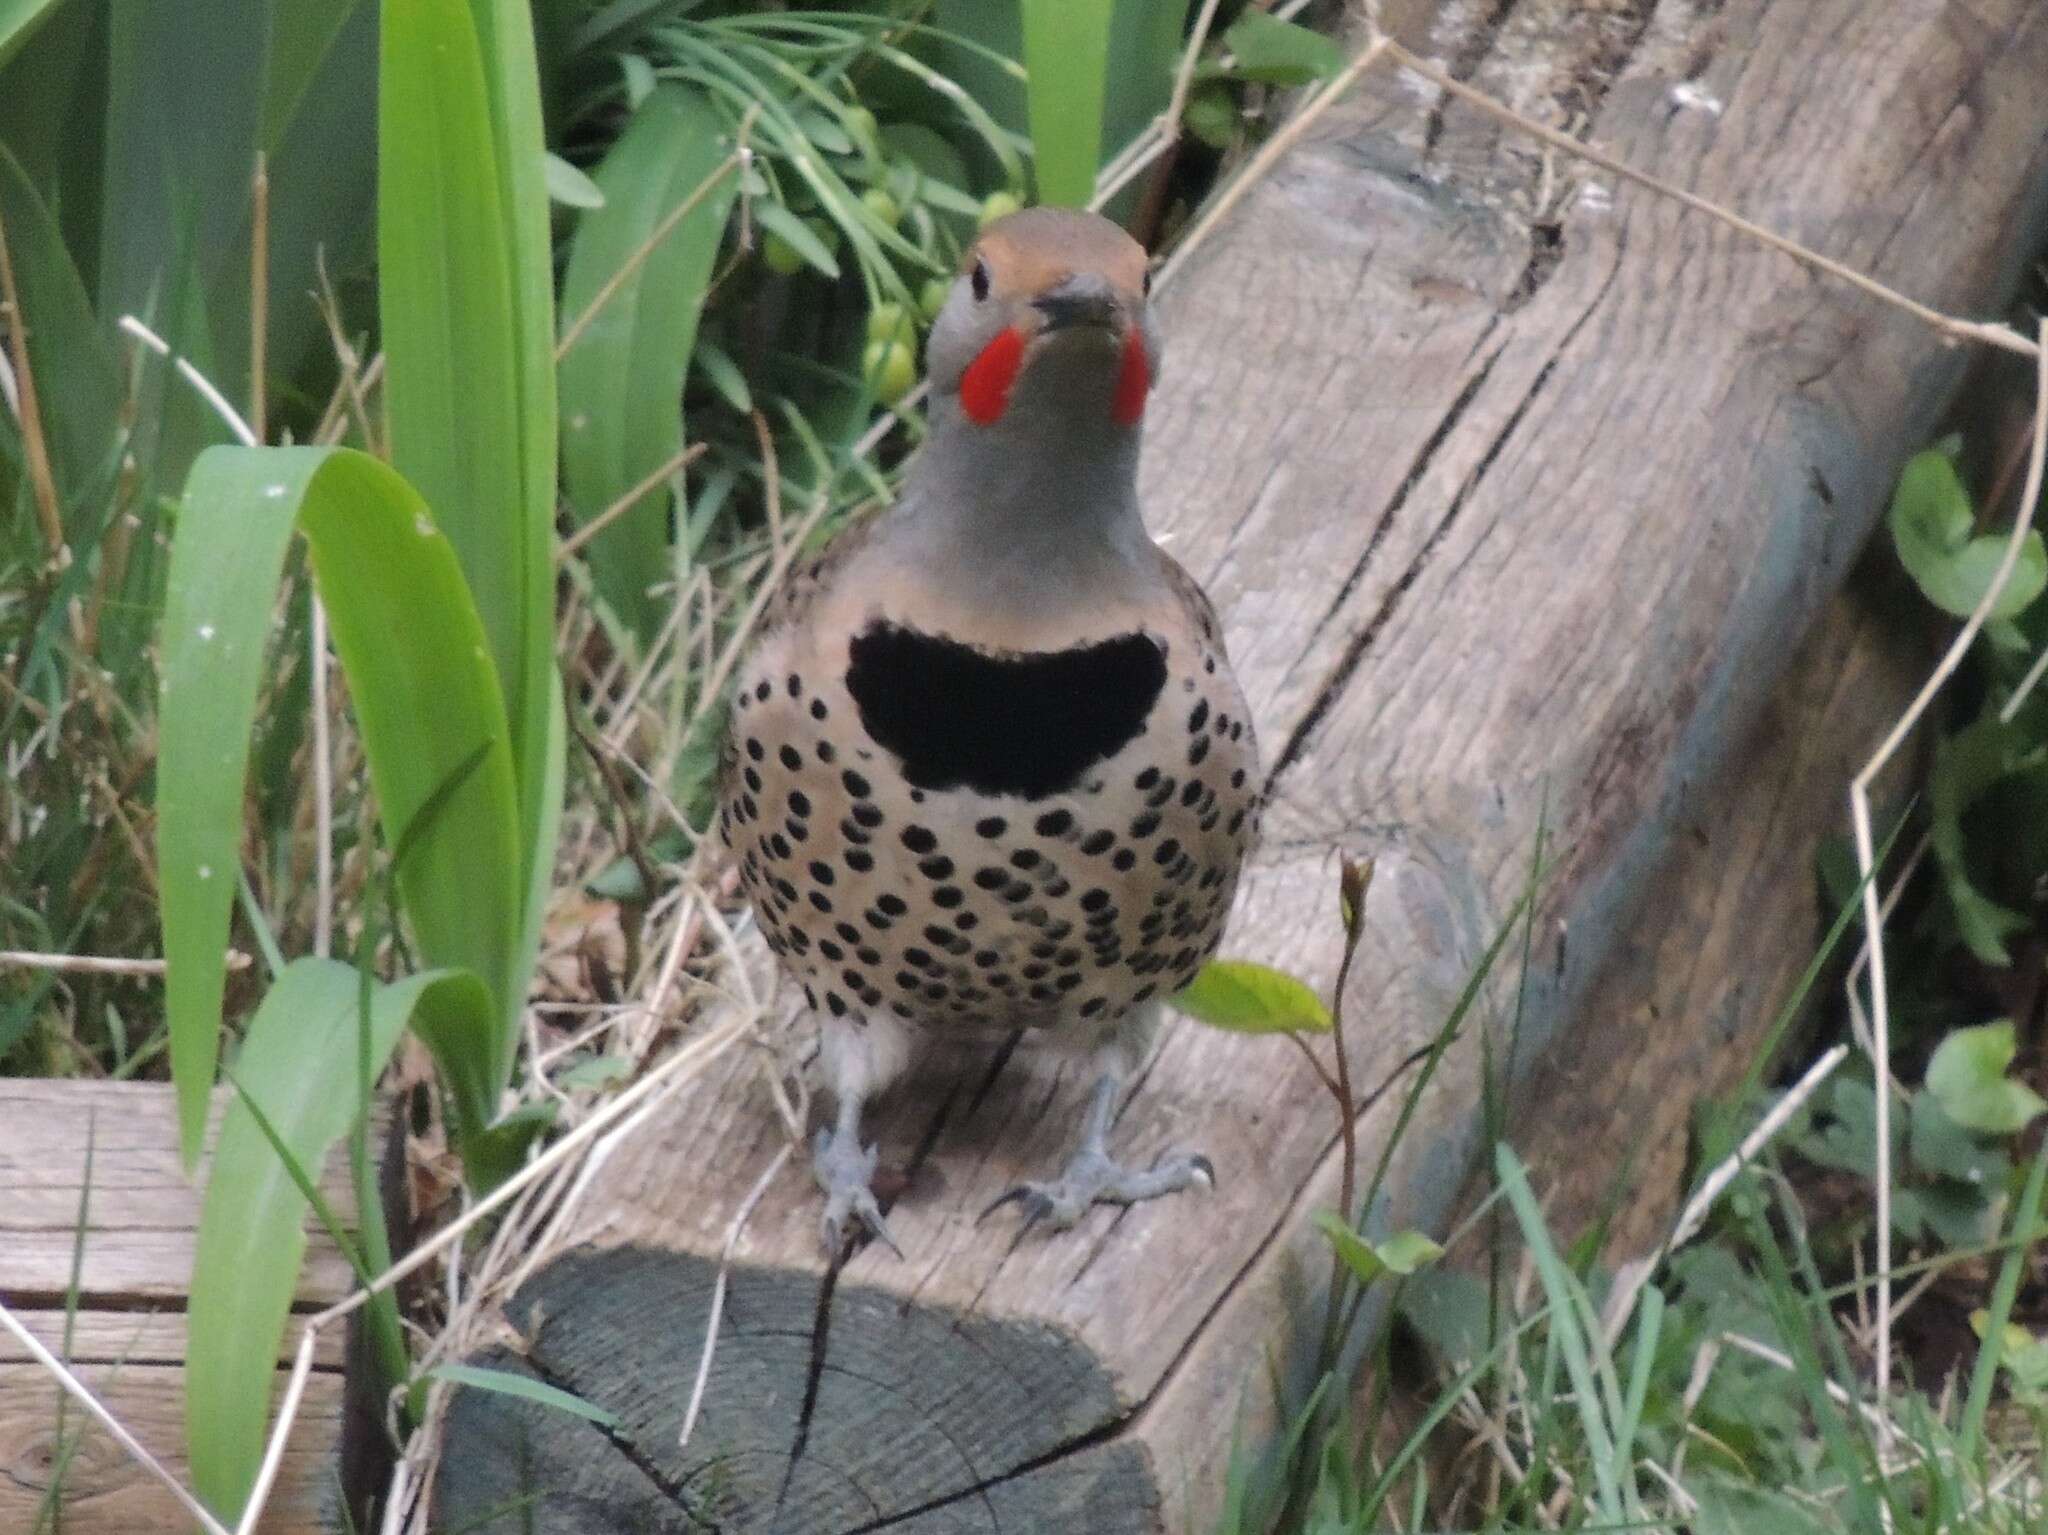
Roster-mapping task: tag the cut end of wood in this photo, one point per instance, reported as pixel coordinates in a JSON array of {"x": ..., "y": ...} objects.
[{"x": 830, "y": 1408}]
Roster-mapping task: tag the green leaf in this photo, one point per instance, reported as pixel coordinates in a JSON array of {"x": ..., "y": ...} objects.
[
  {"x": 1402, "y": 1253},
  {"x": 1066, "y": 59},
  {"x": 797, "y": 235},
  {"x": 1967, "y": 1077},
  {"x": 424, "y": 691},
  {"x": 1944, "y": 1148},
  {"x": 1276, "y": 52},
  {"x": 1211, "y": 115},
  {"x": 1932, "y": 526},
  {"x": 570, "y": 187},
  {"x": 1248, "y": 998},
  {"x": 622, "y": 380},
  {"x": 507, "y": 1383},
  {"x": 467, "y": 304},
  {"x": 1966, "y": 765},
  {"x": 299, "y": 1062}
]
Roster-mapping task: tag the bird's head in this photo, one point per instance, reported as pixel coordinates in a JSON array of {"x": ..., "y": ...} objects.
[{"x": 1048, "y": 323}]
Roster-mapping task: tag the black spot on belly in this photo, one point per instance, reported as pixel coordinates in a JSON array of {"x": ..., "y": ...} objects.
[{"x": 1029, "y": 724}]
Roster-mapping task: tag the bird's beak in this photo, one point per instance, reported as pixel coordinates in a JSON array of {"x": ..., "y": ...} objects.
[{"x": 1086, "y": 298}]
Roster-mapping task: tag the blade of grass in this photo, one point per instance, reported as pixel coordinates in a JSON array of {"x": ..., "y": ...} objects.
[
  {"x": 424, "y": 692},
  {"x": 1570, "y": 1318},
  {"x": 505, "y": 1383},
  {"x": 2003, "y": 1293}
]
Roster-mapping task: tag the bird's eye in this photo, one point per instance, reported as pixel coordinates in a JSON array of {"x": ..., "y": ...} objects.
[
  {"x": 979, "y": 281},
  {"x": 1146, "y": 286}
]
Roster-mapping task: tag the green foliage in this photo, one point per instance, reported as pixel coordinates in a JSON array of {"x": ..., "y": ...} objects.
[
  {"x": 1248, "y": 998},
  {"x": 425, "y": 695},
  {"x": 299, "y": 1064},
  {"x": 1270, "y": 51},
  {"x": 1967, "y": 1078},
  {"x": 1402, "y": 1253},
  {"x": 622, "y": 376},
  {"x": 1934, "y": 531},
  {"x": 1066, "y": 56},
  {"x": 525, "y": 1387}
]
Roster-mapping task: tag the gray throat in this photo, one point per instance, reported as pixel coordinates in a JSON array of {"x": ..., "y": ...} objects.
[{"x": 1039, "y": 507}]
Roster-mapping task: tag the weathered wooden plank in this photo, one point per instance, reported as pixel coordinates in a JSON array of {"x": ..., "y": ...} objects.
[
  {"x": 142, "y": 1216},
  {"x": 105, "y": 1492},
  {"x": 1514, "y": 488},
  {"x": 139, "y": 1337},
  {"x": 1719, "y": 938},
  {"x": 128, "y": 1337}
]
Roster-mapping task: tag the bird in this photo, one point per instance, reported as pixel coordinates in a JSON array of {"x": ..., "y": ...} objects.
[{"x": 988, "y": 768}]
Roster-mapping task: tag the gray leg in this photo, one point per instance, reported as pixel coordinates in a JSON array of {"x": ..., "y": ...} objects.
[
  {"x": 1092, "y": 1176},
  {"x": 844, "y": 1169}
]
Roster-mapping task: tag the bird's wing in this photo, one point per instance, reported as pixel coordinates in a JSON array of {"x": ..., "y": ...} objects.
[{"x": 1201, "y": 612}]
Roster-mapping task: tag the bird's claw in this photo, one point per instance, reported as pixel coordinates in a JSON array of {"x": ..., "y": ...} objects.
[
  {"x": 845, "y": 1171},
  {"x": 1092, "y": 1178}
]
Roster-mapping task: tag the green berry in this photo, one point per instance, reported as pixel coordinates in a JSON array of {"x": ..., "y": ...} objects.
[
  {"x": 890, "y": 369},
  {"x": 861, "y": 127},
  {"x": 998, "y": 205},
  {"x": 931, "y": 298},
  {"x": 884, "y": 207},
  {"x": 891, "y": 322},
  {"x": 780, "y": 255}
]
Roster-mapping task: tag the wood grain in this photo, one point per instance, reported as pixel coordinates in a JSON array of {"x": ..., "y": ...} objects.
[
  {"x": 1516, "y": 489},
  {"x": 128, "y": 1336}
]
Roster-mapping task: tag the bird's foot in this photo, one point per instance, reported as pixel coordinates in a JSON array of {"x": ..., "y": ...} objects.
[
  {"x": 1093, "y": 1178},
  {"x": 845, "y": 1170}
]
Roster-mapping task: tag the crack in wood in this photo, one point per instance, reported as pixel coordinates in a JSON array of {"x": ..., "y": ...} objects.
[{"x": 1340, "y": 675}]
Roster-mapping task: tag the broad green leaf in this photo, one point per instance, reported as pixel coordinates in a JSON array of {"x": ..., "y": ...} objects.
[
  {"x": 1967, "y": 1077},
  {"x": 571, "y": 187},
  {"x": 622, "y": 380},
  {"x": 451, "y": 343},
  {"x": 1402, "y": 1253},
  {"x": 1066, "y": 60},
  {"x": 1248, "y": 998},
  {"x": 1933, "y": 529},
  {"x": 506, "y": 1383},
  {"x": 1277, "y": 52},
  {"x": 467, "y": 300},
  {"x": 299, "y": 1063},
  {"x": 424, "y": 691}
]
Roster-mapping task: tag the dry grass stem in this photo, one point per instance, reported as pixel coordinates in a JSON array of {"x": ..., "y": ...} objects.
[
  {"x": 1866, "y": 856},
  {"x": 34, "y": 445},
  {"x": 731, "y": 165},
  {"x": 732, "y": 1242},
  {"x": 97, "y": 964},
  {"x": 679, "y": 460}
]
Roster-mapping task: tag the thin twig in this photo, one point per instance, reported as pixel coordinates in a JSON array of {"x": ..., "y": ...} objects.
[
  {"x": 199, "y": 381},
  {"x": 323, "y": 785},
  {"x": 97, "y": 964},
  {"x": 259, "y": 290}
]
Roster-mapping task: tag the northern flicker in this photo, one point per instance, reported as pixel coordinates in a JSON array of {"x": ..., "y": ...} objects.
[{"x": 989, "y": 769}]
